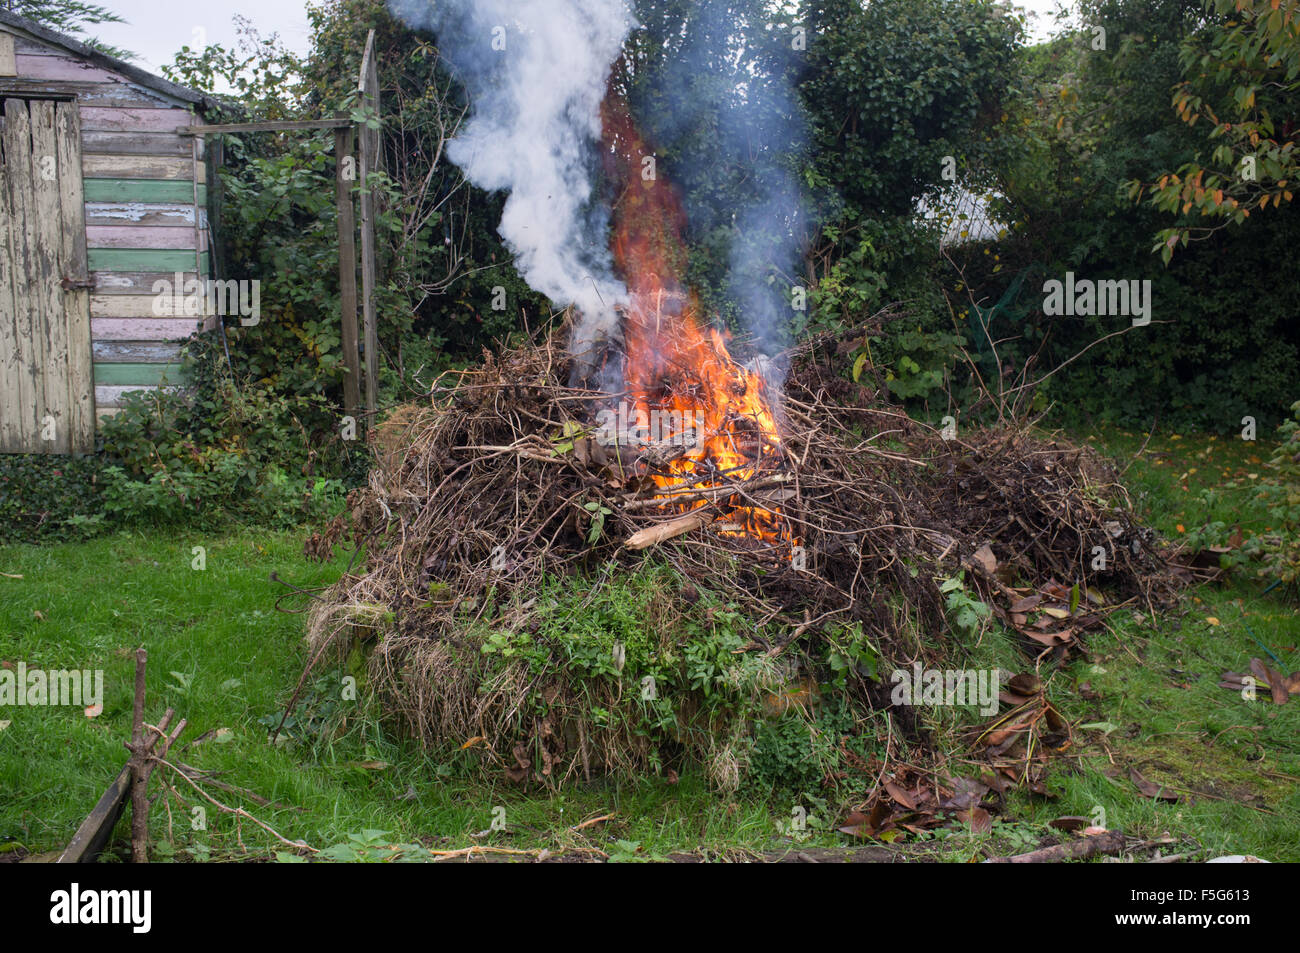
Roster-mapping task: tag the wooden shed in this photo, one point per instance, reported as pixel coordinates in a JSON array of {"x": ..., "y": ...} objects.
[{"x": 101, "y": 198}]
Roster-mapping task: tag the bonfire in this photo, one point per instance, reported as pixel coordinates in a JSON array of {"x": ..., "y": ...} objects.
[{"x": 821, "y": 512}]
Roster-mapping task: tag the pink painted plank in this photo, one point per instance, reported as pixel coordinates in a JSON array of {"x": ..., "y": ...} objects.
[
  {"x": 140, "y": 236},
  {"x": 62, "y": 67},
  {"x": 146, "y": 329},
  {"x": 120, "y": 119}
]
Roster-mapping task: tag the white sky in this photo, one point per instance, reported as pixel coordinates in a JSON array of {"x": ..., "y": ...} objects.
[{"x": 156, "y": 29}]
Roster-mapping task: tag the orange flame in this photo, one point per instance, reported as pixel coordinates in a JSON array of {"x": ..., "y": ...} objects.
[{"x": 677, "y": 367}]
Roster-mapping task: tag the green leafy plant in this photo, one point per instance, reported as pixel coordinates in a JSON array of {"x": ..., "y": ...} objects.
[
  {"x": 965, "y": 611},
  {"x": 597, "y": 515}
]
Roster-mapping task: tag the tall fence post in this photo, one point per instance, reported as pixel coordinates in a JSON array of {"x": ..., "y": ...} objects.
[{"x": 345, "y": 163}]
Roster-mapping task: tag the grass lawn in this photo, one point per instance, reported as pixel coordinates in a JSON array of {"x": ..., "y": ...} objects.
[{"x": 223, "y": 656}]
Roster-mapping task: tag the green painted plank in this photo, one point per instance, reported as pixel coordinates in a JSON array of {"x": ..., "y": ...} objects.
[
  {"x": 144, "y": 259},
  {"x": 138, "y": 375},
  {"x": 143, "y": 190}
]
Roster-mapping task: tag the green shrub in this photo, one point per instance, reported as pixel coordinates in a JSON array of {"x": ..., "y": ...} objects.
[
  {"x": 46, "y": 497},
  {"x": 223, "y": 450}
]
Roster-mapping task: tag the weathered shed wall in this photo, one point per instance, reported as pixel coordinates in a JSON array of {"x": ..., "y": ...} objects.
[{"x": 145, "y": 192}]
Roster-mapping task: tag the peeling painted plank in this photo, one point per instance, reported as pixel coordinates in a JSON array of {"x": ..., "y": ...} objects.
[
  {"x": 147, "y": 329},
  {"x": 143, "y": 190},
  {"x": 160, "y": 305},
  {"x": 61, "y": 67},
  {"x": 99, "y": 94},
  {"x": 148, "y": 259},
  {"x": 13, "y": 413},
  {"x": 140, "y": 213},
  {"x": 99, "y": 142},
  {"x": 29, "y": 407},
  {"x": 136, "y": 352},
  {"x": 110, "y": 395},
  {"x": 139, "y": 375},
  {"x": 141, "y": 167},
  {"x": 139, "y": 236},
  {"x": 133, "y": 282},
  {"x": 116, "y": 119},
  {"x": 45, "y": 226},
  {"x": 80, "y": 386}
]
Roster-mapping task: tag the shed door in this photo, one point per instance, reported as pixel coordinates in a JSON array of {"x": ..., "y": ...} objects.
[{"x": 47, "y": 401}]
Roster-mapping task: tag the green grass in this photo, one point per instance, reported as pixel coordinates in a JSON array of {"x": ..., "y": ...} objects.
[
  {"x": 1236, "y": 763},
  {"x": 237, "y": 660}
]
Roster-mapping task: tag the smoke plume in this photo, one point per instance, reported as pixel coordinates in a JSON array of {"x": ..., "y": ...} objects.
[{"x": 536, "y": 73}]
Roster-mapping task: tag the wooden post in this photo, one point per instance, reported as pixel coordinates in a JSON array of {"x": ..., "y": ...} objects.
[
  {"x": 368, "y": 86},
  {"x": 139, "y": 779},
  {"x": 347, "y": 270}
]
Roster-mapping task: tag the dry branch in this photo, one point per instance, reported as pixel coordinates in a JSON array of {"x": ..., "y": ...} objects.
[
  {"x": 662, "y": 532},
  {"x": 1107, "y": 842}
]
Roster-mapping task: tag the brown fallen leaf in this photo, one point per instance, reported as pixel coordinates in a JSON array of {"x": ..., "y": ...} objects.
[
  {"x": 854, "y": 824},
  {"x": 978, "y": 819},
  {"x": 1069, "y": 822},
  {"x": 1051, "y": 639},
  {"x": 1150, "y": 789},
  {"x": 1027, "y": 603},
  {"x": 857, "y": 824},
  {"x": 1025, "y": 683},
  {"x": 901, "y": 796},
  {"x": 995, "y": 738},
  {"x": 967, "y": 794},
  {"x": 1279, "y": 685},
  {"x": 1057, "y": 591}
]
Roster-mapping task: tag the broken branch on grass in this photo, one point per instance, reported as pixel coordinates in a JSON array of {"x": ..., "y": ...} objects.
[
  {"x": 1107, "y": 842},
  {"x": 238, "y": 811}
]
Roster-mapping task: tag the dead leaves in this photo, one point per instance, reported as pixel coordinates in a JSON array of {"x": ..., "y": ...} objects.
[
  {"x": 913, "y": 802},
  {"x": 1018, "y": 743},
  {"x": 1280, "y": 687},
  {"x": 1059, "y": 612}
]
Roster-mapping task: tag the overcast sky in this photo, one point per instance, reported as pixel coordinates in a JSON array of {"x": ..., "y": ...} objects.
[{"x": 156, "y": 29}]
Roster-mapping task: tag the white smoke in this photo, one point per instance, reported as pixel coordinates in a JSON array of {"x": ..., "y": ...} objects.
[{"x": 536, "y": 72}]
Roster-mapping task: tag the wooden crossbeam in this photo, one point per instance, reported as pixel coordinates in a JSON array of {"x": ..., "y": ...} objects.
[{"x": 287, "y": 125}]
